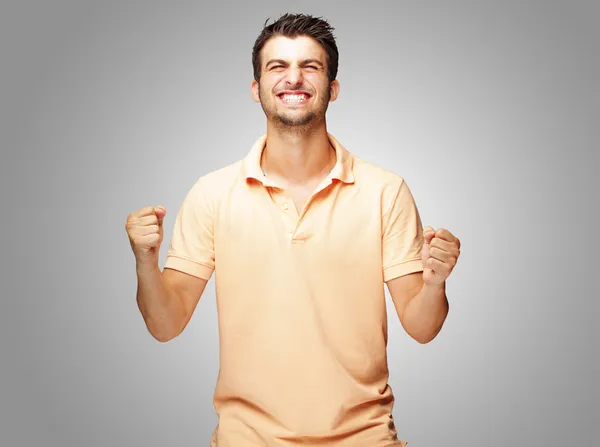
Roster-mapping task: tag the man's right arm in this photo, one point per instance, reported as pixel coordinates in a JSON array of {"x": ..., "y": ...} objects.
[{"x": 167, "y": 299}]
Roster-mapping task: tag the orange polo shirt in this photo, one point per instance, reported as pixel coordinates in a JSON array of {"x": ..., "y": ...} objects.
[{"x": 300, "y": 299}]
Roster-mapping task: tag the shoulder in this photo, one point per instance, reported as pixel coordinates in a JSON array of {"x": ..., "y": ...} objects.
[
  {"x": 218, "y": 180},
  {"x": 384, "y": 185},
  {"x": 370, "y": 175},
  {"x": 222, "y": 176},
  {"x": 207, "y": 190}
]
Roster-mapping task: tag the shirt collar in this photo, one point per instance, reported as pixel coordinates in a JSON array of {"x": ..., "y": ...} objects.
[{"x": 342, "y": 170}]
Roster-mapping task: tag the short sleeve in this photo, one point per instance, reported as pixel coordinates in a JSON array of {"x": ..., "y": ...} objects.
[
  {"x": 191, "y": 249},
  {"x": 402, "y": 237}
]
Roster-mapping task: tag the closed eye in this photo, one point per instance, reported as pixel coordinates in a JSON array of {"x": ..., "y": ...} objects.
[{"x": 313, "y": 67}]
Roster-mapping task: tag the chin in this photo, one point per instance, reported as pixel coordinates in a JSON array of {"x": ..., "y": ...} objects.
[
  {"x": 295, "y": 123},
  {"x": 296, "y": 120}
]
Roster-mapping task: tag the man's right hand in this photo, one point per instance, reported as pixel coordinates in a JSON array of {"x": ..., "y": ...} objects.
[{"x": 145, "y": 230}]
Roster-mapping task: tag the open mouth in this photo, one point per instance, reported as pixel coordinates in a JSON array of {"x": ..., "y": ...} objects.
[{"x": 294, "y": 98}]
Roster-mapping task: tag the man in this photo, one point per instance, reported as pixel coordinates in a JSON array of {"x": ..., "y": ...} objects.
[{"x": 302, "y": 235}]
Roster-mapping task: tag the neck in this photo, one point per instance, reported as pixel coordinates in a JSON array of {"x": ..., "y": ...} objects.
[{"x": 297, "y": 158}]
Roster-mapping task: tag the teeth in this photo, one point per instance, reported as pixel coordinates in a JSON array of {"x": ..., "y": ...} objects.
[{"x": 294, "y": 98}]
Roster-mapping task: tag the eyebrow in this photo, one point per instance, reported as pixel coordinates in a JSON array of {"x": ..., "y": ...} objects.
[{"x": 304, "y": 62}]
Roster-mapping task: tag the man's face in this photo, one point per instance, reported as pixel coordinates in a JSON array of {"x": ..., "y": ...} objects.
[{"x": 294, "y": 89}]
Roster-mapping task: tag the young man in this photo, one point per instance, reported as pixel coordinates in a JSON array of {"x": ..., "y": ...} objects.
[{"x": 302, "y": 235}]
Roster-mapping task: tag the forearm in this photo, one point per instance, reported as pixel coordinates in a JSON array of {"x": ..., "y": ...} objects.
[
  {"x": 161, "y": 308},
  {"x": 424, "y": 315}
]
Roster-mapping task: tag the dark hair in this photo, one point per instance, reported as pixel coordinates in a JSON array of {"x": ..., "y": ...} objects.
[{"x": 293, "y": 25}]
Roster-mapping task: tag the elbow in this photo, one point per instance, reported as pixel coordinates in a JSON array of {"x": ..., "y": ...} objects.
[
  {"x": 425, "y": 337},
  {"x": 163, "y": 330},
  {"x": 161, "y": 335},
  {"x": 424, "y": 340},
  {"x": 429, "y": 333},
  {"x": 162, "y": 339}
]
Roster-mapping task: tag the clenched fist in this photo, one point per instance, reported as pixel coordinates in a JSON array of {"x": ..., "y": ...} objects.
[
  {"x": 440, "y": 253},
  {"x": 145, "y": 230}
]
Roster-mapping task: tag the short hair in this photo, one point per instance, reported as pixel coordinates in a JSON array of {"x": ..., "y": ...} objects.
[{"x": 293, "y": 25}]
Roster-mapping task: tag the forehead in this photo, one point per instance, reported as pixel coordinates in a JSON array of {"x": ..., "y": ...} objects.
[{"x": 300, "y": 47}]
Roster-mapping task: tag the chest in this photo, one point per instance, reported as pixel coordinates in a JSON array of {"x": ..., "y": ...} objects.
[
  {"x": 300, "y": 196},
  {"x": 337, "y": 226}
]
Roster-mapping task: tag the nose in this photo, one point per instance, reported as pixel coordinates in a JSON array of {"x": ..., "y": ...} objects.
[{"x": 294, "y": 76}]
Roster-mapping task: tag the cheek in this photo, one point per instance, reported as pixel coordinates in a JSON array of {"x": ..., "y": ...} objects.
[
  {"x": 317, "y": 83},
  {"x": 263, "y": 90},
  {"x": 273, "y": 79}
]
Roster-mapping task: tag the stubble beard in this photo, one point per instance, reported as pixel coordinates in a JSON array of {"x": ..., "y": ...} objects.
[{"x": 300, "y": 124}]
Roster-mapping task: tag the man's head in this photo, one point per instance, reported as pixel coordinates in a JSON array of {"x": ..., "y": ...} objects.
[
  {"x": 295, "y": 54},
  {"x": 293, "y": 25}
]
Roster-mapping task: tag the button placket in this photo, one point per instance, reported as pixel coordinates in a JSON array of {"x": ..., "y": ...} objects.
[{"x": 289, "y": 218}]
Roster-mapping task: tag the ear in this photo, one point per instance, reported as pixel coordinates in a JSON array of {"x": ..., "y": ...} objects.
[
  {"x": 335, "y": 90},
  {"x": 254, "y": 88}
]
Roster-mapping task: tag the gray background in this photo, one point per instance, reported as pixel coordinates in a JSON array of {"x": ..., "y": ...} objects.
[{"x": 489, "y": 110}]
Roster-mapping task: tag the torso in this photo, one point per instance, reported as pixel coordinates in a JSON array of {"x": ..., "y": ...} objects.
[{"x": 312, "y": 282}]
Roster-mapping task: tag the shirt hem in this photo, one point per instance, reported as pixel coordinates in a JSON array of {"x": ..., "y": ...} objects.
[
  {"x": 188, "y": 266},
  {"x": 402, "y": 268}
]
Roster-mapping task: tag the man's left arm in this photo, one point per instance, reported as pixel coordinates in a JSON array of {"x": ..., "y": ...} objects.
[{"x": 420, "y": 297}]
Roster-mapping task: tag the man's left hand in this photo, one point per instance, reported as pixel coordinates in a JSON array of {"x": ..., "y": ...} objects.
[{"x": 440, "y": 253}]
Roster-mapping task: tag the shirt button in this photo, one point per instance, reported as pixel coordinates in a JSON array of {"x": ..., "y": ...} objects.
[
  {"x": 285, "y": 207},
  {"x": 290, "y": 231}
]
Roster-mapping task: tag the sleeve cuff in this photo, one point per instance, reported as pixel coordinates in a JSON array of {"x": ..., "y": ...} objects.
[
  {"x": 402, "y": 268},
  {"x": 190, "y": 267}
]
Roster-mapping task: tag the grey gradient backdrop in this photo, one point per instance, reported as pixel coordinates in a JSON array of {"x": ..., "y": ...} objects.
[{"x": 489, "y": 110}]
